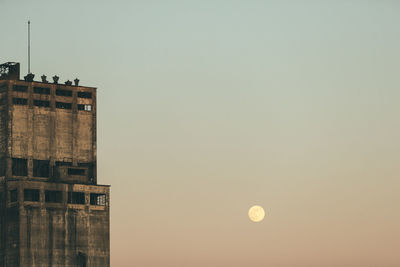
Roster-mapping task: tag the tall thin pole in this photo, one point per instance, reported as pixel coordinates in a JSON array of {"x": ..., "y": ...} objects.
[{"x": 29, "y": 46}]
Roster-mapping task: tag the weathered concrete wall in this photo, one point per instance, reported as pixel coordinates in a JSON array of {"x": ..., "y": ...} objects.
[
  {"x": 48, "y": 132},
  {"x": 41, "y": 232},
  {"x": 55, "y": 234}
]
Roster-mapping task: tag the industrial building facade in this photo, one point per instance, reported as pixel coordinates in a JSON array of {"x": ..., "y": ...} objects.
[{"x": 52, "y": 211}]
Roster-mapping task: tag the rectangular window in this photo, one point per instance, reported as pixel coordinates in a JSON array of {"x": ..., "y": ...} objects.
[
  {"x": 85, "y": 107},
  {"x": 19, "y": 167},
  {"x": 61, "y": 92},
  {"x": 53, "y": 196},
  {"x": 20, "y": 101},
  {"x": 76, "y": 197},
  {"x": 20, "y": 88},
  {"x": 13, "y": 195},
  {"x": 90, "y": 166},
  {"x": 41, "y": 103},
  {"x": 63, "y": 105},
  {"x": 63, "y": 163},
  {"x": 97, "y": 199},
  {"x": 85, "y": 94},
  {"x": 41, "y": 90},
  {"x": 3, "y": 101},
  {"x": 32, "y": 195},
  {"x": 41, "y": 168},
  {"x": 73, "y": 171},
  {"x": 3, "y": 164}
]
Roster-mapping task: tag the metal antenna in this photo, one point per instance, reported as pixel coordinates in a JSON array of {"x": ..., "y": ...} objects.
[{"x": 29, "y": 46}]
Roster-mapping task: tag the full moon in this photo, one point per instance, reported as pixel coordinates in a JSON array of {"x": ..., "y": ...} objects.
[{"x": 256, "y": 213}]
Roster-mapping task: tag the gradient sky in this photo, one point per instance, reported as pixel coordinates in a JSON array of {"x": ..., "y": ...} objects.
[{"x": 206, "y": 108}]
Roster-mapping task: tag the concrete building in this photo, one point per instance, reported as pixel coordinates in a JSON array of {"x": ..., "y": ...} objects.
[{"x": 52, "y": 211}]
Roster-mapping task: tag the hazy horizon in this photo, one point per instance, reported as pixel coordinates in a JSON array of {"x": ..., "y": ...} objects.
[{"x": 206, "y": 108}]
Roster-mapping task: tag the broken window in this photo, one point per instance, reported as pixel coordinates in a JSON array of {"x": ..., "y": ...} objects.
[
  {"x": 76, "y": 197},
  {"x": 41, "y": 103},
  {"x": 32, "y": 195},
  {"x": 53, "y": 196},
  {"x": 63, "y": 105},
  {"x": 20, "y": 101},
  {"x": 41, "y": 90},
  {"x": 20, "y": 88},
  {"x": 41, "y": 168},
  {"x": 13, "y": 195},
  {"x": 73, "y": 171},
  {"x": 61, "y": 92},
  {"x": 97, "y": 199},
  {"x": 85, "y": 107},
  {"x": 85, "y": 94},
  {"x": 19, "y": 167}
]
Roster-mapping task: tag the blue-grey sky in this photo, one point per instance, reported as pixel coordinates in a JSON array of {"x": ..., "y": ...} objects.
[{"x": 206, "y": 108}]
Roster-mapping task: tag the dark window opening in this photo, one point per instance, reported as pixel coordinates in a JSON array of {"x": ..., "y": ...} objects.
[
  {"x": 3, "y": 164},
  {"x": 19, "y": 167},
  {"x": 20, "y": 88},
  {"x": 90, "y": 167},
  {"x": 13, "y": 195},
  {"x": 41, "y": 90},
  {"x": 85, "y": 94},
  {"x": 63, "y": 105},
  {"x": 82, "y": 259},
  {"x": 41, "y": 103},
  {"x": 41, "y": 168},
  {"x": 32, "y": 195},
  {"x": 76, "y": 197},
  {"x": 63, "y": 163},
  {"x": 3, "y": 101},
  {"x": 61, "y": 92},
  {"x": 85, "y": 107},
  {"x": 53, "y": 196},
  {"x": 73, "y": 171},
  {"x": 20, "y": 101},
  {"x": 97, "y": 199}
]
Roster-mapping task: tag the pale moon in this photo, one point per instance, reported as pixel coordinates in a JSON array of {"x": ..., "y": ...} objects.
[{"x": 256, "y": 213}]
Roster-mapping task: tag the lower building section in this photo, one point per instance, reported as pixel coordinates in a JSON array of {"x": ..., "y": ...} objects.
[{"x": 53, "y": 224}]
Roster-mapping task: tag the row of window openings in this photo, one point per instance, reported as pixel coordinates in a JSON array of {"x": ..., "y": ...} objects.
[
  {"x": 46, "y": 91},
  {"x": 41, "y": 168},
  {"x": 44, "y": 103},
  {"x": 33, "y": 195}
]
